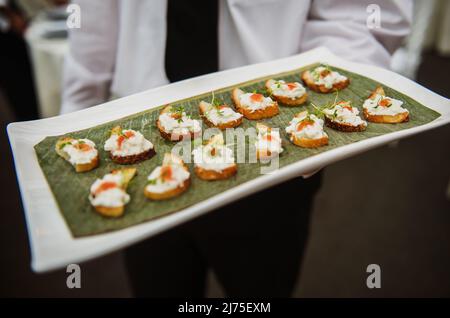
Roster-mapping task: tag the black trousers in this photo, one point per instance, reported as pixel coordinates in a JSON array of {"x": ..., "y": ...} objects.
[
  {"x": 16, "y": 78},
  {"x": 255, "y": 245}
]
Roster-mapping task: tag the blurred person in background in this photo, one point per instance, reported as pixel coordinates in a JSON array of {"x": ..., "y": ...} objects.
[
  {"x": 16, "y": 78},
  {"x": 255, "y": 245}
]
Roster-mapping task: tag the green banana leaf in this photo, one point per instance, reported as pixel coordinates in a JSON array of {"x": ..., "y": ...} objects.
[{"x": 71, "y": 189}]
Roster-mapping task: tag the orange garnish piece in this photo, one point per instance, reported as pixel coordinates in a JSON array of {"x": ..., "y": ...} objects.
[
  {"x": 105, "y": 186},
  {"x": 385, "y": 102},
  {"x": 166, "y": 173},
  {"x": 268, "y": 137},
  {"x": 175, "y": 115},
  {"x": 83, "y": 147},
  {"x": 129, "y": 134},
  {"x": 291, "y": 86},
  {"x": 304, "y": 124},
  {"x": 120, "y": 141},
  {"x": 324, "y": 73},
  {"x": 348, "y": 108},
  {"x": 257, "y": 97}
]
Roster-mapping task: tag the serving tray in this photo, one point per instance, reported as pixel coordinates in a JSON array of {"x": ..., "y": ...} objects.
[{"x": 63, "y": 227}]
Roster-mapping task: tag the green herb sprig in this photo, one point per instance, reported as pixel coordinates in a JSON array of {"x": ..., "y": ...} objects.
[{"x": 319, "y": 111}]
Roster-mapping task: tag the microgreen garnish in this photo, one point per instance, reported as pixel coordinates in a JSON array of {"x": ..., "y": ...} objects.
[
  {"x": 278, "y": 85},
  {"x": 178, "y": 109},
  {"x": 319, "y": 111},
  {"x": 316, "y": 75},
  {"x": 214, "y": 101},
  {"x": 327, "y": 66},
  {"x": 64, "y": 144},
  {"x": 258, "y": 91},
  {"x": 152, "y": 182}
]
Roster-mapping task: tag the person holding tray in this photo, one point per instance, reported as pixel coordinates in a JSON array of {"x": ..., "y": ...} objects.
[{"x": 255, "y": 245}]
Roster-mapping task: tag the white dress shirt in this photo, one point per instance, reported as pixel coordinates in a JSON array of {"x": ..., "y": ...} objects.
[{"x": 119, "y": 48}]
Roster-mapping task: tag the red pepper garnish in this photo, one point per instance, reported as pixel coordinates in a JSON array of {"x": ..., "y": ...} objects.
[
  {"x": 304, "y": 124},
  {"x": 324, "y": 73},
  {"x": 123, "y": 136},
  {"x": 120, "y": 141},
  {"x": 105, "y": 186},
  {"x": 257, "y": 97},
  {"x": 175, "y": 115},
  {"x": 385, "y": 102},
  {"x": 129, "y": 134},
  {"x": 166, "y": 173},
  {"x": 348, "y": 108},
  {"x": 83, "y": 147},
  {"x": 291, "y": 86}
]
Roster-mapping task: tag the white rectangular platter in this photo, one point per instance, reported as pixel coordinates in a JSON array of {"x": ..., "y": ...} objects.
[{"x": 52, "y": 244}]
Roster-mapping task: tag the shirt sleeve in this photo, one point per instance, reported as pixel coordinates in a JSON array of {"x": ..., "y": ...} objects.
[
  {"x": 89, "y": 65},
  {"x": 342, "y": 27}
]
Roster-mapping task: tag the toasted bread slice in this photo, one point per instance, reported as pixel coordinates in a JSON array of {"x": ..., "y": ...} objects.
[
  {"x": 112, "y": 212},
  {"x": 378, "y": 91},
  {"x": 210, "y": 175},
  {"x": 286, "y": 100},
  {"x": 130, "y": 159},
  {"x": 309, "y": 81},
  {"x": 384, "y": 119},
  {"x": 263, "y": 154},
  {"x": 344, "y": 127},
  {"x": 127, "y": 175},
  {"x": 158, "y": 196},
  {"x": 267, "y": 112},
  {"x": 170, "y": 159},
  {"x": 83, "y": 167},
  {"x": 310, "y": 143},
  {"x": 59, "y": 146},
  {"x": 203, "y": 109},
  {"x": 307, "y": 142},
  {"x": 172, "y": 136}
]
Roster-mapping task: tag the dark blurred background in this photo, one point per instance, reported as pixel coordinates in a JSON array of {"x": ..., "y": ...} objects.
[{"x": 400, "y": 221}]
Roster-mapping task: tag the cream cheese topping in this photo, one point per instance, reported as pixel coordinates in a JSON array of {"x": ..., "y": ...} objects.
[
  {"x": 254, "y": 102},
  {"x": 269, "y": 140},
  {"x": 129, "y": 143},
  {"x": 290, "y": 90},
  {"x": 312, "y": 127},
  {"x": 80, "y": 151},
  {"x": 107, "y": 191},
  {"x": 323, "y": 76},
  {"x": 383, "y": 105},
  {"x": 179, "y": 126},
  {"x": 345, "y": 114},
  {"x": 214, "y": 156},
  {"x": 222, "y": 115},
  {"x": 167, "y": 177}
]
